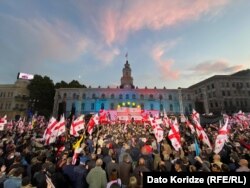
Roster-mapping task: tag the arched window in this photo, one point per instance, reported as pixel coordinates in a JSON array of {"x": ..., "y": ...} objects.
[
  {"x": 112, "y": 106},
  {"x": 92, "y": 106},
  {"x": 142, "y": 96},
  {"x": 102, "y": 106},
  {"x": 83, "y": 107},
  {"x": 151, "y": 96},
  {"x": 133, "y": 96},
  {"x": 161, "y": 107},
  {"x": 171, "y": 107},
  {"x": 127, "y": 96},
  {"x": 142, "y": 106},
  {"x": 170, "y": 97},
  {"x": 103, "y": 96},
  {"x": 190, "y": 108},
  {"x": 160, "y": 97},
  {"x": 120, "y": 96},
  {"x": 83, "y": 96},
  {"x": 112, "y": 96},
  {"x": 93, "y": 96},
  {"x": 65, "y": 95}
]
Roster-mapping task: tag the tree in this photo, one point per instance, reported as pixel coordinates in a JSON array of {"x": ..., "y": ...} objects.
[
  {"x": 42, "y": 91},
  {"x": 72, "y": 84}
]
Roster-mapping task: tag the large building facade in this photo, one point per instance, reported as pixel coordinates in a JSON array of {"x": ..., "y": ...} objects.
[
  {"x": 91, "y": 100},
  {"x": 222, "y": 94},
  {"x": 14, "y": 99}
]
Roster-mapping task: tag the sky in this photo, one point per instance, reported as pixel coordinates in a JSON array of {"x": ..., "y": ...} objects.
[{"x": 169, "y": 43}]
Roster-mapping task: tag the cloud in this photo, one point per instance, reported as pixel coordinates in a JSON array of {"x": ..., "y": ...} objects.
[
  {"x": 215, "y": 67},
  {"x": 36, "y": 40},
  {"x": 118, "y": 22},
  {"x": 165, "y": 65}
]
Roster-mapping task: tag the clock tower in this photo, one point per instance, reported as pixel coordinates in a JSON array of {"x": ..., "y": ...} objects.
[{"x": 127, "y": 79}]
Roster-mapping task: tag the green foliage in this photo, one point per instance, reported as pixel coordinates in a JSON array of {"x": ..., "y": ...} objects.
[
  {"x": 72, "y": 84},
  {"x": 42, "y": 93}
]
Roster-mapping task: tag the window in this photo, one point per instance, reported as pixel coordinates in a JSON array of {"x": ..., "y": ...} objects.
[
  {"x": 225, "y": 103},
  {"x": 112, "y": 96},
  {"x": 211, "y": 105},
  {"x": 216, "y": 104},
  {"x": 208, "y": 87},
  {"x": 1, "y": 106},
  {"x": 92, "y": 106},
  {"x": 65, "y": 95},
  {"x": 212, "y": 86},
  {"x": 160, "y": 97},
  {"x": 102, "y": 106},
  {"x": 142, "y": 96},
  {"x": 151, "y": 97},
  {"x": 227, "y": 84},
  {"x": 170, "y": 97},
  {"x": 223, "y": 93},
  {"x": 190, "y": 107},
  {"x": 112, "y": 106},
  {"x": 189, "y": 97},
  {"x": 151, "y": 106},
  {"x": 120, "y": 96},
  {"x": 142, "y": 106},
  {"x": 103, "y": 96},
  {"x": 82, "y": 107},
  {"x": 161, "y": 107},
  {"x": 237, "y": 103},
  {"x": 133, "y": 96},
  {"x": 230, "y": 103},
  {"x": 74, "y": 96},
  {"x": 83, "y": 96},
  {"x": 171, "y": 107},
  {"x": 127, "y": 96},
  {"x": 228, "y": 93},
  {"x": 93, "y": 96}
]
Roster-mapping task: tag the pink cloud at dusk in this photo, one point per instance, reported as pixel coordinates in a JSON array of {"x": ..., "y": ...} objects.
[
  {"x": 215, "y": 67},
  {"x": 153, "y": 15},
  {"x": 165, "y": 65}
]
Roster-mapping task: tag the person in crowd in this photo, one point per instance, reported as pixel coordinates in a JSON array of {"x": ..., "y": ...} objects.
[{"x": 97, "y": 178}]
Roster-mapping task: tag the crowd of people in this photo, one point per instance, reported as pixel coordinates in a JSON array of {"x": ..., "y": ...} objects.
[{"x": 113, "y": 156}]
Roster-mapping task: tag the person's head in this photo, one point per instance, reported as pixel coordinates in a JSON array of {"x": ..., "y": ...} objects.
[
  {"x": 141, "y": 162},
  {"x": 216, "y": 157},
  {"x": 126, "y": 158},
  {"x": 243, "y": 162},
  {"x": 192, "y": 168},
  {"x": 132, "y": 182},
  {"x": 25, "y": 181},
  {"x": 99, "y": 162},
  {"x": 178, "y": 165},
  {"x": 215, "y": 168},
  {"x": 114, "y": 174}
]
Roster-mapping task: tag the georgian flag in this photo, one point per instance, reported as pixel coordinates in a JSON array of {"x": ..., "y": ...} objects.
[
  {"x": 92, "y": 122},
  {"x": 191, "y": 127},
  {"x": 77, "y": 125},
  {"x": 174, "y": 136},
  {"x": 48, "y": 135},
  {"x": 201, "y": 134},
  {"x": 61, "y": 126},
  {"x": 3, "y": 121},
  {"x": 195, "y": 116},
  {"x": 221, "y": 138}
]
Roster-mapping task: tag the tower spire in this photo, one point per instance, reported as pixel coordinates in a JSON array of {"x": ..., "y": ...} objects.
[{"x": 126, "y": 55}]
